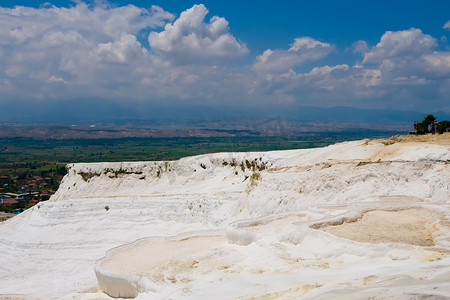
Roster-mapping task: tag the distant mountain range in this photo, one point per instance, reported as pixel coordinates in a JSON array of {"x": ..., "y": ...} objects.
[{"x": 183, "y": 114}]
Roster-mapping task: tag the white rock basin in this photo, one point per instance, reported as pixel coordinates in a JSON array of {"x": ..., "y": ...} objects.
[{"x": 124, "y": 271}]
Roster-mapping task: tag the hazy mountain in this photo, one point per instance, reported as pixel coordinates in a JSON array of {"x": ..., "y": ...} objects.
[{"x": 140, "y": 113}]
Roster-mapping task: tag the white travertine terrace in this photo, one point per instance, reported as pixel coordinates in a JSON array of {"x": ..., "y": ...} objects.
[{"x": 356, "y": 220}]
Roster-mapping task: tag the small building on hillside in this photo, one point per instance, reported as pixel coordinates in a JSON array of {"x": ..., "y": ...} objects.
[{"x": 8, "y": 201}]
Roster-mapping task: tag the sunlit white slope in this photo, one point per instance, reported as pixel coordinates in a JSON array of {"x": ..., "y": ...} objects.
[{"x": 272, "y": 209}]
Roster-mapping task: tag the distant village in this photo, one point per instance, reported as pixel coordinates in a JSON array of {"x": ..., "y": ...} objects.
[{"x": 20, "y": 192}]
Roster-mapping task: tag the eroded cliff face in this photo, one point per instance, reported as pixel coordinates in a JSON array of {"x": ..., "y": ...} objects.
[
  {"x": 277, "y": 182},
  {"x": 275, "y": 205},
  {"x": 207, "y": 173}
]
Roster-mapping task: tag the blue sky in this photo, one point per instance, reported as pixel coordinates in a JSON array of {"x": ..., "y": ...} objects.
[
  {"x": 271, "y": 24},
  {"x": 363, "y": 54}
]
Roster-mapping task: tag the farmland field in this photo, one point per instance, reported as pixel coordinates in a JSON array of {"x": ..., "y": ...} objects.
[{"x": 18, "y": 155}]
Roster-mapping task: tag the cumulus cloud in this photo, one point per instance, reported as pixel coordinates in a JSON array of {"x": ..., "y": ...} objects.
[
  {"x": 410, "y": 68},
  {"x": 325, "y": 86},
  {"x": 97, "y": 22},
  {"x": 302, "y": 50},
  {"x": 55, "y": 79},
  {"x": 405, "y": 43},
  {"x": 95, "y": 51},
  {"x": 446, "y": 25},
  {"x": 192, "y": 40},
  {"x": 408, "y": 57},
  {"x": 401, "y": 70},
  {"x": 438, "y": 63},
  {"x": 123, "y": 50},
  {"x": 48, "y": 45},
  {"x": 360, "y": 47}
]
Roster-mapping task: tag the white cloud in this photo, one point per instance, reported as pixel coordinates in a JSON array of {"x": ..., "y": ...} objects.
[
  {"x": 326, "y": 70},
  {"x": 360, "y": 47},
  {"x": 438, "y": 62},
  {"x": 41, "y": 46},
  {"x": 408, "y": 58},
  {"x": 325, "y": 86},
  {"x": 405, "y": 43},
  {"x": 412, "y": 80},
  {"x": 55, "y": 79},
  {"x": 97, "y": 22},
  {"x": 401, "y": 71},
  {"x": 410, "y": 69},
  {"x": 123, "y": 50},
  {"x": 307, "y": 43},
  {"x": 365, "y": 77},
  {"x": 190, "y": 40},
  {"x": 446, "y": 25},
  {"x": 302, "y": 50},
  {"x": 96, "y": 52}
]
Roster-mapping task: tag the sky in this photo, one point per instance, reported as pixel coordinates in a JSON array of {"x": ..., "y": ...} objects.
[{"x": 265, "y": 54}]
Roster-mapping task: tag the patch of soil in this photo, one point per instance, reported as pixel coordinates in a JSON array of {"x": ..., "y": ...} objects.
[
  {"x": 410, "y": 226},
  {"x": 440, "y": 139}
]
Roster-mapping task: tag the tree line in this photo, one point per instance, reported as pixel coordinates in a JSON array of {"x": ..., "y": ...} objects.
[{"x": 429, "y": 125}]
